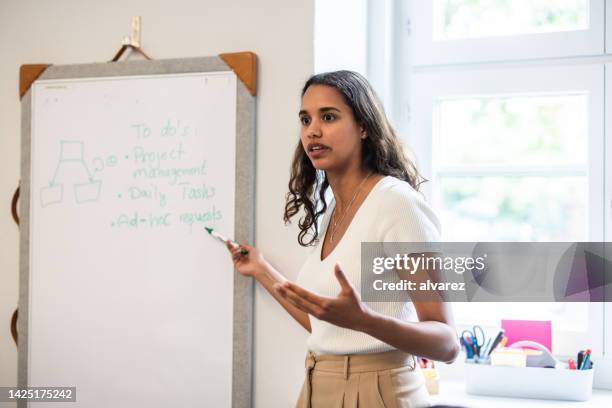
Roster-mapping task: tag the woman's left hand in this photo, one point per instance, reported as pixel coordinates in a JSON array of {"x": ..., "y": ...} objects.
[{"x": 345, "y": 310}]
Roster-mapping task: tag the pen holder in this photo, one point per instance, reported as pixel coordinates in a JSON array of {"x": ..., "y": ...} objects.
[{"x": 528, "y": 382}]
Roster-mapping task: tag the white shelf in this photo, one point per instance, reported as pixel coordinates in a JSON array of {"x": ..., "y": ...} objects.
[{"x": 453, "y": 393}]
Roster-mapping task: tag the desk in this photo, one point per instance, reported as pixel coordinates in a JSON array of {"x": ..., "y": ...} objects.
[{"x": 453, "y": 393}]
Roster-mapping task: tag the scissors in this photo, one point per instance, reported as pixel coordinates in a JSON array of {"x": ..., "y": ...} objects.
[{"x": 476, "y": 337}]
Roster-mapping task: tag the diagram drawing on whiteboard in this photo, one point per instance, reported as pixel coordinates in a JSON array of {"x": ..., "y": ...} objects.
[{"x": 71, "y": 161}]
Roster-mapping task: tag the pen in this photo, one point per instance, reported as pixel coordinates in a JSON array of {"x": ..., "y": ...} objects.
[
  {"x": 579, "y": 359},
  {"x": 585, "y": 361},
  {"x": 223, "y": 239},
  {"x": 486, "y": 351},
  {"x": 503, "y": 342},
  {"x": 497, "y": 340},
  {"x": 468, "y": 348},
  {"x": 471, "y": 346}
]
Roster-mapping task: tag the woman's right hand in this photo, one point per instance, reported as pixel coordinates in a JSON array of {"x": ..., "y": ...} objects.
[{"x": 249, "y": 264}]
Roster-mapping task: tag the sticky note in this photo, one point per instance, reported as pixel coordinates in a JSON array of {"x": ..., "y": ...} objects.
[
  {"x": 539, "y": 331},
  {"x": 509, "y": 357}
]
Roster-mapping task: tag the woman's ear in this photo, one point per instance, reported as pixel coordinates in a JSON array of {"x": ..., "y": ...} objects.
[{"x": 364, "y": 134}]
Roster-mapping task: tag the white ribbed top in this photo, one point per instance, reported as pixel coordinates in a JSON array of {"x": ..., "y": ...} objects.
[{"x": 392, "y": 212}]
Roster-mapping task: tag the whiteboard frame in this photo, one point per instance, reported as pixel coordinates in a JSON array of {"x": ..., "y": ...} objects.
[{"x": 242, "y": 361}]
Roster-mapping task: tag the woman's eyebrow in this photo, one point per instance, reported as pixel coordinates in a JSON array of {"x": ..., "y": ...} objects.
[
  {"x": 321, "y": 110},
  {"x": 329, "y": 108}
]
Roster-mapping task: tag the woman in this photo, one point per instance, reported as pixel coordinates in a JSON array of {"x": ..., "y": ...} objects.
[{"x": 361, "y": 354}]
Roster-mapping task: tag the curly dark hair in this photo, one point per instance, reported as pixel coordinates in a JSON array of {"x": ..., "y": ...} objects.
[{"x": 382, "y": 152}]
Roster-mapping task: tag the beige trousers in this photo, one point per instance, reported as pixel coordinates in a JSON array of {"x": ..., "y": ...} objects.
[{"x": 385, "y": 380}]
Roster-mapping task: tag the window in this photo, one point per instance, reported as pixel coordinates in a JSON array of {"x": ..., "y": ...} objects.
[
  {"x": 510, "y": 120},
  {"x": 518, "y": 159},
  {"x": 458, "y": 19},
  {"x": 513, "y": 168},
  {"x": 452, "y": 31}
]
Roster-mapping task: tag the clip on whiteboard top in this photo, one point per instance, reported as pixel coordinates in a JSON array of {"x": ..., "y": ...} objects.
[{"x": 132, "y": 42}]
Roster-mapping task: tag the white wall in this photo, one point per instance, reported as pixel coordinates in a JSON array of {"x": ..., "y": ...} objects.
[
  {"x": 280, "y": 32},
  {"x": 348, "y": 34}
]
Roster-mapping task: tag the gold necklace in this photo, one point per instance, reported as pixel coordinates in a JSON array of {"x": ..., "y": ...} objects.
[{"x": 335, "y": 224}]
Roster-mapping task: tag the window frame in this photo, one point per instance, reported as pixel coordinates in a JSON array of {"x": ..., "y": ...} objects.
[
  {"x": 608, "y": 26},
  {"x": 504, "y": 48},
  {"x": 604, "y": 380}
]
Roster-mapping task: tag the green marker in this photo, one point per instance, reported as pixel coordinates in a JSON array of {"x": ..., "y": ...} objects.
[{"x": 221, "y": 238}]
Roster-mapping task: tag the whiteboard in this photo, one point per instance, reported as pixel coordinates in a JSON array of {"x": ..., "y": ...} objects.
[{"x": 130, "y": 300}]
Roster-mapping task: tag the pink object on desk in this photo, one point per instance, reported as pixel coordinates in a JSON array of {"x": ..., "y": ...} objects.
[{"x": 535, "y": 330}]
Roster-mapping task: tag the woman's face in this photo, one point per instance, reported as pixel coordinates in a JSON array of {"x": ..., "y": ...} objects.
[{"x": 329, "y": 133}]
